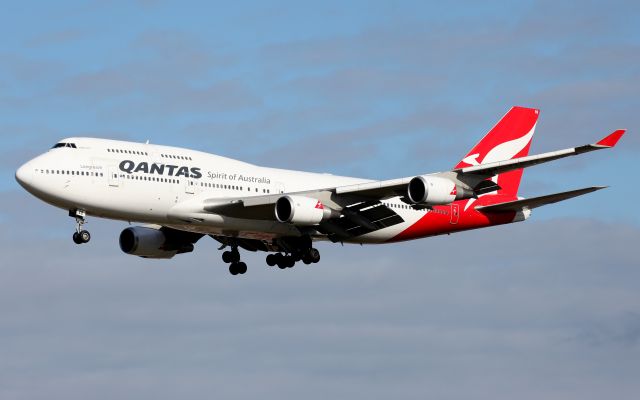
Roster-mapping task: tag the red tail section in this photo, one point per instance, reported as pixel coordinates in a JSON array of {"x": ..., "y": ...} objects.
[{"x": 510, "y": 138}]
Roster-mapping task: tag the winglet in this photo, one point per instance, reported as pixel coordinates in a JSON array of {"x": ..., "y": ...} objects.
[{"x": 612, "y": 139}]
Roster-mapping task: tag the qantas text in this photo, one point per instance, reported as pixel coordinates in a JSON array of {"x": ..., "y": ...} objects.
[{"x": 160, "y": 169}]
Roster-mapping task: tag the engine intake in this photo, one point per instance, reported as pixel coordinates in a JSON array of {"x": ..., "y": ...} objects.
[
  {"x": 301, "y": 210},
  {"x": 151, "y": 243},
  {"x": 433, "y": 191}
]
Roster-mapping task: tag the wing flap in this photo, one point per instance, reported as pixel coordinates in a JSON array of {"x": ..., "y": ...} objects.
[
  {"x": 360, "y": 219},
  {"x": 519, "y": 205}
]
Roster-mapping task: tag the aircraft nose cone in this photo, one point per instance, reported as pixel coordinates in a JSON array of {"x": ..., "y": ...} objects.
[{"x": 23, "y": 176}]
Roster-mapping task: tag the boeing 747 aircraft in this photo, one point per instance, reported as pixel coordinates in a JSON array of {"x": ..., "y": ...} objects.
[{"x": 180, "y": 195}]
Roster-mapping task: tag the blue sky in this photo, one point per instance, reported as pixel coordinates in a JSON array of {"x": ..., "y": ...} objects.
[{"x": 372, "y": 89}]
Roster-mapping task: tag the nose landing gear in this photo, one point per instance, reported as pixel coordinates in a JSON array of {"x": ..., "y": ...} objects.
[{"x": 80, "y": 236}]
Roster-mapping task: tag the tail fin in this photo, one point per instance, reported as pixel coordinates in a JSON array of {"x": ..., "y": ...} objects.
[{"x": 509, "y": 138}]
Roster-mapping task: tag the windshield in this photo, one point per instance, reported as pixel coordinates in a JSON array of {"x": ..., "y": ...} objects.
[{"x": 72, "y": 145}]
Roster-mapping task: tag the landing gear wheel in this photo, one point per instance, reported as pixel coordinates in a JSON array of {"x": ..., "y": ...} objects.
[
  {"x": 233, "y": 269},
  {"x": 84, "y": 236},
  {"x": 76, "y": 238},
  {"x": 272, "y": 260},
  {"x": 314, "y": 255},
  {"x": 307, "y": 259},
  {"x": 241, "y": 267},
  {"x": 286, "y": 262},
  {"x": 237, "y": 268},
  {"x": 232, "y": 256}
]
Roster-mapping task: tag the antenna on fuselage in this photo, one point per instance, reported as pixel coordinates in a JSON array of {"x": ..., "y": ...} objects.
[{"x": 147, "y": 142}]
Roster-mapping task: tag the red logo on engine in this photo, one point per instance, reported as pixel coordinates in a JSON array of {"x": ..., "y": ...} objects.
[
  {"x": 454, "y": 191},
  {"x": 319, "y": 205}
]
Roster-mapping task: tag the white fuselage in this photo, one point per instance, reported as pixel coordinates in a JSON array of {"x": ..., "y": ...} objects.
[{"x": 147, "y": 183}]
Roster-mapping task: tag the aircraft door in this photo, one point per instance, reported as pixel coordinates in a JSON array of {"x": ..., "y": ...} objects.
[
  {"x": 114, "y": 177},
  {"x": 455, "y": 213},
  {"x": 279, "y": 187},
  {"x": 189, "y": 186}
]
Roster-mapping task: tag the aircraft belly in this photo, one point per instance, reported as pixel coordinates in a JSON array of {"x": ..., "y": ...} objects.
[{"x": 213, "y": 224}]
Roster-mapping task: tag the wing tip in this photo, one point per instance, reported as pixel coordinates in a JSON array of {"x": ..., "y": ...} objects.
[{"x": 612, "y": 139}]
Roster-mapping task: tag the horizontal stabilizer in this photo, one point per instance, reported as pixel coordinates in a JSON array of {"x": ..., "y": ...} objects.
[{"x": 519, "y": 205}]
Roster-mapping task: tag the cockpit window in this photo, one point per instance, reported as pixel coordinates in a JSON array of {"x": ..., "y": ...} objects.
[{"x": 62, "y": 144}]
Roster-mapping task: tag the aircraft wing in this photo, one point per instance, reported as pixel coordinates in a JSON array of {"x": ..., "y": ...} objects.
[
  {"x": 494, "y": 168},
  {"x": 528, "y": 204},
  {"x": 471, "y": 176},
  {"x": 360, "y": 208},
  {"x": 381, "y": 190},
  {"x": 356, "y": 216}
]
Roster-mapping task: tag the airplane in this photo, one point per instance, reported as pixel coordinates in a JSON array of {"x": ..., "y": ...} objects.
[{"x": 179, "y": 195}]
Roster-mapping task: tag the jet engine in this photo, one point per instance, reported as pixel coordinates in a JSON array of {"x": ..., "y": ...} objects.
[
  {"x": 433, "y": 190},
  {"x": 151, "y": 243},
  {"x": 301, "y": 210}
]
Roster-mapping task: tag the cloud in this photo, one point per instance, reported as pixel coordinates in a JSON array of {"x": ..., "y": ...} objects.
[
  {"x": 622, "y": 330},
  {"x": 55, "y": 38},
  {"x": 580, "y": 85},
  {"x": 542, "y": 309},
  {"x": 449, "y": 316},
  {"x": 171, "y": 72}
]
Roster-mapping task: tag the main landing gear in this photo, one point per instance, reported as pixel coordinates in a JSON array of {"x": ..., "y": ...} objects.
[
  {"x": 80, "y": 236},
  {"x": 288, "y": 256},
  {"x": 309, "y": 256},
  {"x": 233, "y": 258}
]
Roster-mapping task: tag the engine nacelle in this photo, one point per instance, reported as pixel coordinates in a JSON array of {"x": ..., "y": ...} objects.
[
  {"x": 301, "y": 210},
  {"x": 433, "y": 190},
  {"x": 150, "y": 243}
]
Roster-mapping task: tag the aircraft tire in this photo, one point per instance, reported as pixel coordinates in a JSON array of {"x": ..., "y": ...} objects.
[
  {"x": 271, "y": 260},
  {"x": 290, "y": 262},
  {"x": 314, "y": 254},
  {"x": 233, "y": 269},
  {"x": 76, "y": 238},
  {"x": 241, "y": 268},
  {"x": 84, "y": 236}
]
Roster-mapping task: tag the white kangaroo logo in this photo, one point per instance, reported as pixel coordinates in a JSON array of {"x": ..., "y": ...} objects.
[{"x": 502, "y": 152}]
